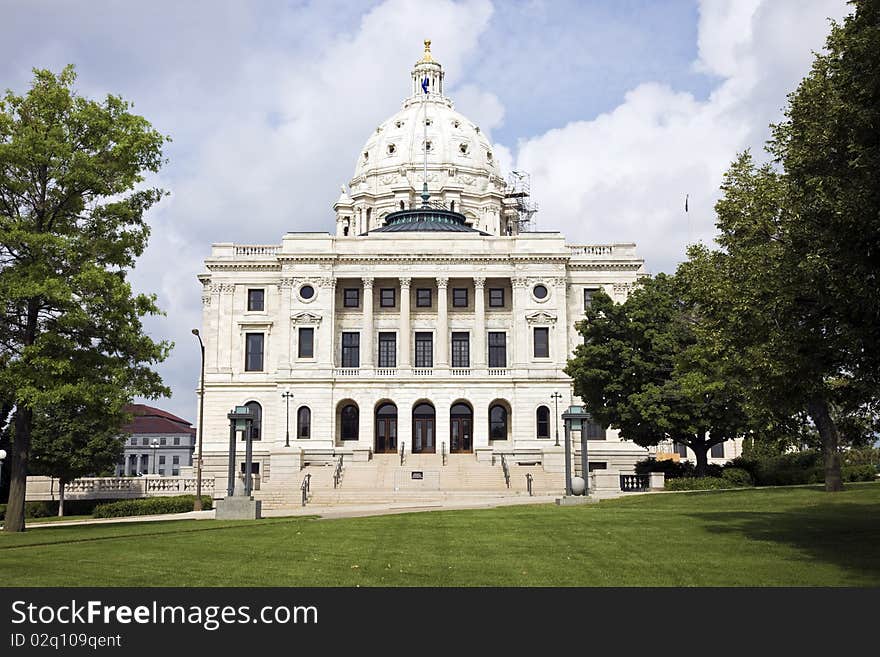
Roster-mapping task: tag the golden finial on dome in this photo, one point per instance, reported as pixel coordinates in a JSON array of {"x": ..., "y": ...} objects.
[{"x": 427, "y": 56}]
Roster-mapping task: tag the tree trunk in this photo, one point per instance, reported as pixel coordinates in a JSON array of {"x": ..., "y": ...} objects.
[
  {"x": 60, "y": 498},
  {"x": 818, "y": 409},
  {"x": 18, "y": 465},
  {"x": 701, "y": 451}
]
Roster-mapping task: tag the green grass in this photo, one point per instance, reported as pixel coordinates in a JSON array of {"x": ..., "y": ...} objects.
[{"x": 766, "y": 537}]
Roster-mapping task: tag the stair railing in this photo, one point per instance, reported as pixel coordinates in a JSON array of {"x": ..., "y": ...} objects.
[
  {"x": 506, "y": 470},
  {"x": 529, "y": 482},
  {"x": 443, "y": 453},
  {"x": 337, "y": 474},
  {"x": 305, "y": 488},
  {"x": 402, "y": 453}
]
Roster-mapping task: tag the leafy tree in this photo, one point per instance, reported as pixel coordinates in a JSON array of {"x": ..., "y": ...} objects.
[
  {"x": 71, "y": 225},
  {"x": 643, "y": 370},
  {"x": 792, "y": 296},
  {"x": 76, "y": 438}
]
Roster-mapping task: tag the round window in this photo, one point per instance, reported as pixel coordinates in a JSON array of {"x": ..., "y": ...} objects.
[
  {"x": 306, "y": 291},
  {"x": 540, "y": 292}
]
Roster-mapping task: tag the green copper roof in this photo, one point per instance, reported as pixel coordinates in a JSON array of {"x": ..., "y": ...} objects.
[{"x": 425, "y": 220}]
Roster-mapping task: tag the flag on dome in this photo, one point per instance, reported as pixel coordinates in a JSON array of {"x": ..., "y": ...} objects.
[{"x": 425, "y": 84}]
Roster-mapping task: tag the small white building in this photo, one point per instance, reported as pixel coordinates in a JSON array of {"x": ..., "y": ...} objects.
[{"x": 431, "y": 320}]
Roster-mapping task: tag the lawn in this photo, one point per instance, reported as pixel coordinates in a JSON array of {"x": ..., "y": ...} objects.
[{"x": 766, "y": 537}]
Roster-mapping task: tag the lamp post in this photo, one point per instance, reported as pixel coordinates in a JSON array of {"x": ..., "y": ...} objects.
[
  {"x": 287, "y": 397},
  {"x": 154, "y": 445},
  {"x": 197, "y": 505},
  {"x": 239, "y": 420},
  {"x": 574, "y": 418},
  {"x": 2, "y": 458},
  {"x": 556, "y": 397}
]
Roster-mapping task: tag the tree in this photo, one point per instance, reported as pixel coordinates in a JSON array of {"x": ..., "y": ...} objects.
[
  {"x": 71, "y": 224},
  {"x": 76, "y": 438},
  {"x": 643, "y": 370}
]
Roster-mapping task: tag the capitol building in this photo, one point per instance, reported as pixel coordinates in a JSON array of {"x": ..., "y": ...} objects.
[{"x": 433, "y": 320}]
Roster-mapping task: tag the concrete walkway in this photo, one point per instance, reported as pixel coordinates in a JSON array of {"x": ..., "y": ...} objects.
[{"x": 324, "y": 511}]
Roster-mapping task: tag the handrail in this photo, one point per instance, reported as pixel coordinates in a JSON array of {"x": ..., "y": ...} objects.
[
  {"x": 337, "y": 474},
  {"x": 506, "y": 470},
  {"x": 529, "y": 482},
  {"x": 443, "y": 452},
  {"x": 402, "y": 453},
  {"x": 305, "y": 488}
]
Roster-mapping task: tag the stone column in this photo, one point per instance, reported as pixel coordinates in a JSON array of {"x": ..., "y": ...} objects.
[
  {"x": 442, "y": 359},
  {"x": 284, "y": 337},
  {"x": 561, "y": 322},
  {"x": 367, "y": 333},
  {"x": 326, "y": 332},
  {"x": 519, "y": 337},
  {"x": 405, "y": 330},
  {"x": 225, "y": 334},
  {"x": 478, "y": 353}
]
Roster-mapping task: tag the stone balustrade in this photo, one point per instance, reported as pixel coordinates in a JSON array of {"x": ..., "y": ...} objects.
[{"x": 98, "y": 488}]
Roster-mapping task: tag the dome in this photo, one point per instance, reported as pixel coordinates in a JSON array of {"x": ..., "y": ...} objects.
[
  {"x": 453, "y": 139},
  {"x": 390, "y": 174}
]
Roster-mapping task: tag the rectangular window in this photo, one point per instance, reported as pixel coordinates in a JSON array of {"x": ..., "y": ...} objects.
[
  {"x": 253, "y": 360},
  {"x": 256, "y": 300},
  {"x": 717, "y": 451},
  {"x": 386, "y": 297},
  {"x": 588, "y": 296},
  {"x": 459, "y": 297},
  {"x": 163, "y": 440},
  {"x": 681, "y": 449},
  {"x": 424, "y": 350},
  {"x": 175, "y": 472},
  {"x": 176, "y": 440},
  {"x": 496, "y": 297},
  {"x": 423, "y": 298},
  {"x": 145, "y": 441},
  {"x": 597, "y": 465},
  {"x": 306, "y": 346},
  {"x": 351, "y": 297},
  {"x": 255, "y": 468},
  {"x": 497, "y": 349},
  {"x": 134, "y": 441},
  {"x": 175, "y": 460},
  {"x": 542, "y": 342},
  {"x": 161, "y": 460},
  {"x": 387, "y": 350},
  {"x": 351, "y": 349},
  {"x": 461, "y": 353},
  {"x": 162, "y": 471}
]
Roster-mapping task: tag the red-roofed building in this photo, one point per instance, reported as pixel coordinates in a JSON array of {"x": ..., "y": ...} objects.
[{"x": 158, "y": 442}]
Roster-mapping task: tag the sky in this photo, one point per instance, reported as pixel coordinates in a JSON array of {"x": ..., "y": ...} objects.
[{"x": 616, "y": 108}]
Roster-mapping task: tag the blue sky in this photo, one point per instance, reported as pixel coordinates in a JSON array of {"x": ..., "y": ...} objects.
[{"x": 616, "y": 108}]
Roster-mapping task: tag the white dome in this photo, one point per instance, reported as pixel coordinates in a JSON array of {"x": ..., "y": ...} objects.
[
  {"x": 453, "y": 140},
  {"x": 462, "y": 171}
]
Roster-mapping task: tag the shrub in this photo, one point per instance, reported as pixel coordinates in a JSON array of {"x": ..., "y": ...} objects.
[
  {"x": 674, "y": 470},
  {"x": 49, "y": 508},
  {"x": 859, "y": 473},
  {"x": 698, "y": 483},
  {"x": 737, "y": 477},
  {"x": 150, "y": 506}
]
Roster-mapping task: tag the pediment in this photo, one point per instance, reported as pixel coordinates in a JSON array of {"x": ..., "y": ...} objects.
[
  {"x": 541, "y": 317},
  {"x": 305, "y": 318}
]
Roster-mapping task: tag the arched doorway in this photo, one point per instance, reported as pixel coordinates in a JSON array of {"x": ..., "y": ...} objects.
[
  {"x": 461, "y": 428},
  {"x": 424, "y": 429},
  {"x": 386, "y": 428}
]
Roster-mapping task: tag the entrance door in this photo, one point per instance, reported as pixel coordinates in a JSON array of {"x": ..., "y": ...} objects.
[
  {"x": 461, "y": 421},
  {"x": 386, "y": 429},
  {"x": 423, "y": 430}
]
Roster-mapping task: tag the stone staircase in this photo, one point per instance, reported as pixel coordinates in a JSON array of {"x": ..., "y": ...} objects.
[{"x": 421, "y": 479}]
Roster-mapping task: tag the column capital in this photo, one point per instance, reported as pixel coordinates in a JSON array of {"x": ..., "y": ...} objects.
[
  {"x": 328, "y": 282},
  {"x": 479, "y": 282},
  {"x": 442, "y": 282},
  {"x": 405, "y": 282},
  {"x": 368, "y": 282}
]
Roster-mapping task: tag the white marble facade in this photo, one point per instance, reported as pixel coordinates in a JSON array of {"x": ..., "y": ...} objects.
[{"x": 423, "y": 305}]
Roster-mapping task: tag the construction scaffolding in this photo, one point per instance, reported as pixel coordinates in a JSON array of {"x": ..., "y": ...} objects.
[{"x": 518, "y": 200}]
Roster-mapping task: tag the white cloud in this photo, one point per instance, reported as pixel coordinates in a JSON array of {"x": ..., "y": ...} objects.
[{"x": 623, "y": 175}]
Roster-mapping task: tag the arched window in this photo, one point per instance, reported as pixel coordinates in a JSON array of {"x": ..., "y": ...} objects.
[
  {"x": 543, "y": 421},
  {"x": 256, "y": 412},
  {"x": 303, "y": 422},
  {"x": 497, "y": 422},
  {"x": 349, "y": 422}
]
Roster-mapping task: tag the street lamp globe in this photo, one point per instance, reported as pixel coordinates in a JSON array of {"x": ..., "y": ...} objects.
[{"x": 2, "y": 454}]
